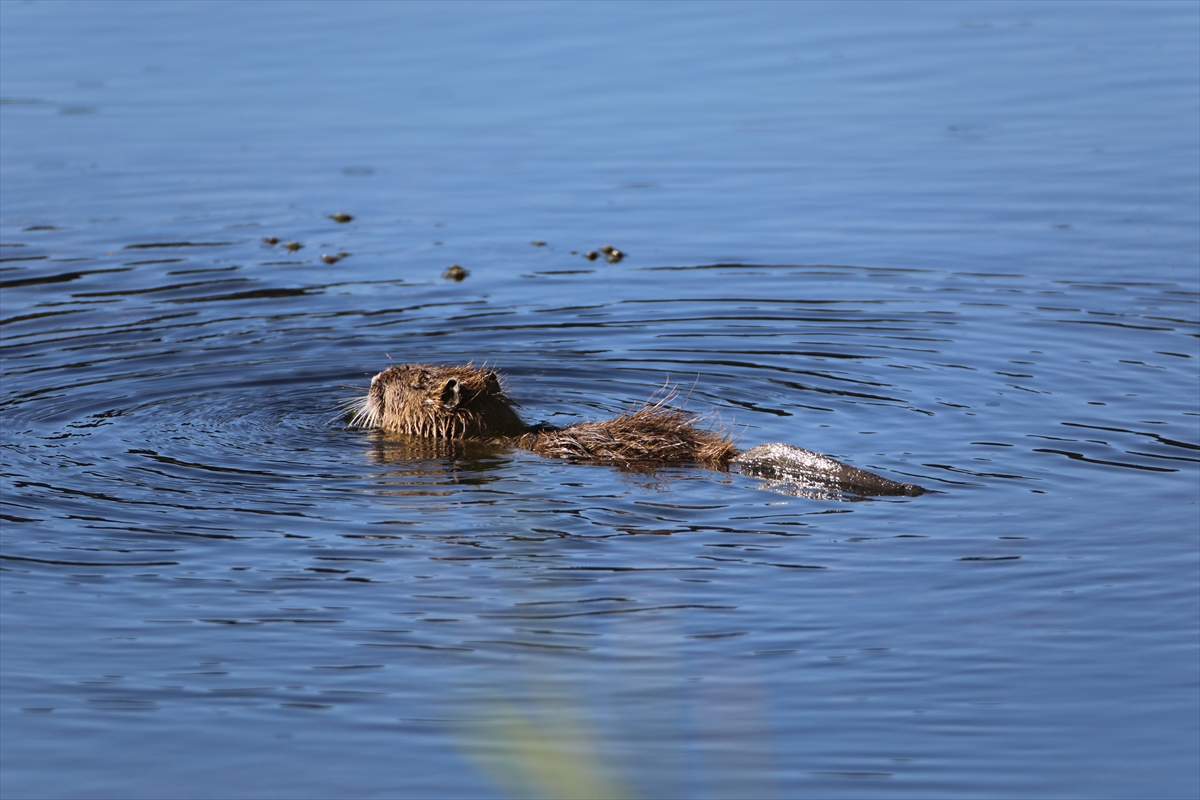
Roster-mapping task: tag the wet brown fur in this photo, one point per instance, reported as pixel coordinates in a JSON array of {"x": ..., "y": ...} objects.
[
  {"x": 651, "y": 434},
  {"x": 468, "y": 402},
  {"x": 438, "y": 402}
]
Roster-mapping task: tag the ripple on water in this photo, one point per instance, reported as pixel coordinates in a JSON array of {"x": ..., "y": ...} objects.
[{"x": 190, "y": 474}]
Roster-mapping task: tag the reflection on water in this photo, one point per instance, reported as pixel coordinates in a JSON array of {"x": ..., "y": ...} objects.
[
  {"x": 451, "y": 461},
  {"x": 545, "y": 754},
  {"x": 956, "y": 252},
  {"x": 549, "y": 741}
]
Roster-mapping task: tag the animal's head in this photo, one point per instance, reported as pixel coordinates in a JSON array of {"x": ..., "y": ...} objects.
[{"x": 438, "y": 402}]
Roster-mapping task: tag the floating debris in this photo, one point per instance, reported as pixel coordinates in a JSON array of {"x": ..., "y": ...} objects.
[
  {"x": 328, "y": 259},
  {"x": 293, "y": 246},
  {"x": 536, "y": 243},
  {"x": 271, "y": 240},
  {"x": 341, "y": 217},
  {"x": 614, "y": 255},
  {"x": 591, "y": 255},
  {"x": 455, "y": 273}
]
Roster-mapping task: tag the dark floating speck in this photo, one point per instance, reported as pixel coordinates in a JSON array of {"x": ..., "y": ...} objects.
[
  {"x": 534, "y": 243},
  {"x": 271, "y": 240},
  {"x": 591, "y": 255},
  {"x": 455, "y": 273},
  {"x": 293, "y": 246},
  {"x": 333, "y": 259},
  {"x": 612, "y": 254},
  {"x": 42, "y": 228},
  {"x": 341, "y": 217}
]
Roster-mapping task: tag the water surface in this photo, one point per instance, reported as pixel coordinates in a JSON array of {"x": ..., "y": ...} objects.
[{"x": 953, "y": 244}]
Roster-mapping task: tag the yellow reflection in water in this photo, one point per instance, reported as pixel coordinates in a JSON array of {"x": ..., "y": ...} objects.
[{"x": 550, "y": 754}]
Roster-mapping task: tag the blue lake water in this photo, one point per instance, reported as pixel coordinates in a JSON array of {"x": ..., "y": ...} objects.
[{"x": 955, "y": 244}]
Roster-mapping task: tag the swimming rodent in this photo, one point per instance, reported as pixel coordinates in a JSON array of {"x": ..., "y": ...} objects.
[{"x": 469, "y": 403}]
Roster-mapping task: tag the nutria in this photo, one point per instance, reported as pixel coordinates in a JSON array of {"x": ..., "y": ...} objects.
[{"x": 469, "y": 403}]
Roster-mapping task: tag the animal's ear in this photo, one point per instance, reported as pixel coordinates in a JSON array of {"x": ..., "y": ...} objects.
[
  {"x": 492, "y": 382},
  {"x": 450, "y": 394}
]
